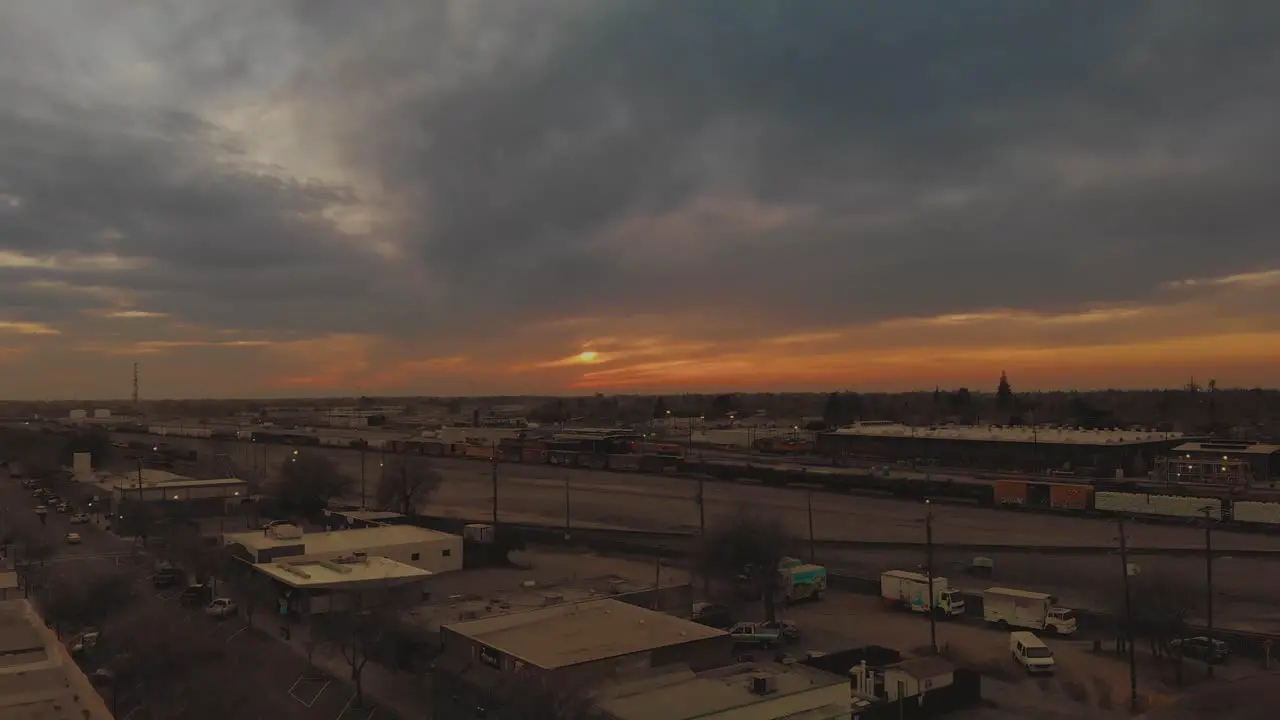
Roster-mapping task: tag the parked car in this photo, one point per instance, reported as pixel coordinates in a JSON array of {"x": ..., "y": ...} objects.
[
  {"x": 197, "y": 594},
  {"x": 166, "y": 575},
  {"x": 41, "y": 509},
  {"x": 787, "y": 630},
  {"x": 1202, "y": 648},
  {"x": 73, "y": 538},
  {"x": 63, "y": 507},
  {"x": 749, "y": 633},
  {"x": 80, "y": 518},
  {"x": 86, "y": 640},
  {"x": 221, "y": 608},
  {"x": 716, "y": 616}
]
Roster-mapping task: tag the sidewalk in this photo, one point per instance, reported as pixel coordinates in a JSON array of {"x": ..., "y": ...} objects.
[{"x": 407, "y": 696}]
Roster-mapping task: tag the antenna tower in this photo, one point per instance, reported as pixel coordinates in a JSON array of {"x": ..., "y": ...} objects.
[{"x": 135, "y": 385}]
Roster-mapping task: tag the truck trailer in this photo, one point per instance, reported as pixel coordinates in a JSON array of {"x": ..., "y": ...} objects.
[
  {"x": 1007, "y": 608},
  {"x": 911, "y": 590}
]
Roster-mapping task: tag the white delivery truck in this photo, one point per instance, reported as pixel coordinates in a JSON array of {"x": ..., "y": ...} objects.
[
  {"x": 1024, "y": 609},
  {"x": 911, "y": 590}
]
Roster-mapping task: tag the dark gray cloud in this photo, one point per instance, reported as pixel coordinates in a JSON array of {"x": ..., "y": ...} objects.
[{"x": 930, "y": 156}]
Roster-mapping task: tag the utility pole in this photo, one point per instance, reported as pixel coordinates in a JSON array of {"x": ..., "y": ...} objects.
[
  {"x": 813, "y": 554},
  {"x": 362, "y": 458},
  {"x": 493, "y": 474},
  {"x": 567, "y": 524},
  {"x": 928, "y": 569},
  {"x": 702, "y": 506},
  {"x": 135, "y": 387},
  {"x": 1128, "y": 621},
  {"x": 1208, "y": 587}
]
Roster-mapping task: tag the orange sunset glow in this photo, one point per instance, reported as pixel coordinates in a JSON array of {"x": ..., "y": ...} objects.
[{"x": 526, "y": 205}]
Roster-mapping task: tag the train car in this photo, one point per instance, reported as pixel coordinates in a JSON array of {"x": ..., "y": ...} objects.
[
  {"x": 1069, "y": 497},
  {"x": 1010, "y": 492},
  {"x": 625, "y": 463},
  {"x": 1150, "y": 505},
  {"x": 1263, "y": 514}
]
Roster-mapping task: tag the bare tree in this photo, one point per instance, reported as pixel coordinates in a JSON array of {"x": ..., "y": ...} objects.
[
  {"x": 309, "y": 481},
  {"x": 86, "y": 600},
  {"x": 1161, "y": 606},
  {"x": 747, "y": 553},
  {"x": 367, "y": 621},
  {"x": 407, "y": 482}
]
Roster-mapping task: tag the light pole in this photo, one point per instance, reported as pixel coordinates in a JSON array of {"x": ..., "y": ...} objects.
[
  {"x": 1208, "y": 587},
  {"x": 362, "y": 504},
  {"x": 928, "y": 569},
  {"x": 567, "y": 524}
]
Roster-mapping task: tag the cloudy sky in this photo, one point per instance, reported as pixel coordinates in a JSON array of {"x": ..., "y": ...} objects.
[{"x": 309, "y": 197}]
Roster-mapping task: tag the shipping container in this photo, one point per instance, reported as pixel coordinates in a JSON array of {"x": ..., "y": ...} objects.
[
  {"x": 1011, "y": 492},
  {"x": 1258, "y": 513},
  {"x": 1069, "y": 497}
]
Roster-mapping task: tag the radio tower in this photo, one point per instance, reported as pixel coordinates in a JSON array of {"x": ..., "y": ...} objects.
[{"x": 135, "y": 386}]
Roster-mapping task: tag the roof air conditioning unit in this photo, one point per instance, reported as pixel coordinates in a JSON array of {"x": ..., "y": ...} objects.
[{"x": 762, "y": 684}]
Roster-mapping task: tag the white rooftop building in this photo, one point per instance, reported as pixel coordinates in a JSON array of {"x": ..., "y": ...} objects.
[
  {"x": 997, "y": 433},
  {"x": 429, "y": 550},
  {"x": 38, "y": 679}
]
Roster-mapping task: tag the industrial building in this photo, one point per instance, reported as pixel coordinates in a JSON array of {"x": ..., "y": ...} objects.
[
  {"x": 572, "y": 645},
  {"x": 310, "y": 586},
  {"x": 429, "y": 550},
  {"x": 38, "y": 679},
  {"x": 1234, "y": 463},
  {"x": 745, "y": 691},
  {"x": 184, "y": 490},
  {"x": 1100, "y": 453}
]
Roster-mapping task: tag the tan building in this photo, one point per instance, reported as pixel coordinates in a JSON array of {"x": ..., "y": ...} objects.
[
  {"x": 430, "y": 550},
  {"x": 746, "y": 691},
  {"x": 308, "y": 587},
  {"x": 579, "y": 645},
  {"x": 38, "y": 679}
]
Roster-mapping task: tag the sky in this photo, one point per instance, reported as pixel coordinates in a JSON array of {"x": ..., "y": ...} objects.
[{"x": 282, "y": 198}]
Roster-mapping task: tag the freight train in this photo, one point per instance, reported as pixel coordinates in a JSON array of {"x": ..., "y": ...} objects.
[{"x": 620, "y": 450}]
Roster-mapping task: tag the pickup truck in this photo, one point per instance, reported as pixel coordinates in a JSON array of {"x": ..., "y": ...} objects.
[{"x": 749, "y": 633}]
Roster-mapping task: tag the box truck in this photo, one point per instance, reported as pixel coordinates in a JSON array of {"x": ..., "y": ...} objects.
[
  {"x": 911, "y": 590},
  {"x": 1024, "y": 609}
]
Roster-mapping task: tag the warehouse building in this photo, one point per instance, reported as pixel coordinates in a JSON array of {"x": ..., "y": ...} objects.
[
  {"x": 572, "y": 645},
  {"x": 1222, "y": 462},
  {"x": 429, "y": 550},
  {"x": 745, "y": 691},
  {"x": 1099, "y": 453}
]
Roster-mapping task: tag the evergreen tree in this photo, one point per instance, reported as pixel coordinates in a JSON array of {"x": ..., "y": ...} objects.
[
  {"x": 660, "y": 409},
  {"x": 1004, "y": 393}
]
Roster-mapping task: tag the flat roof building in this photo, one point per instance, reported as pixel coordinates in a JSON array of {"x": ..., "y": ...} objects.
[
  {"x": 746, "y": 691},
  {"x": 1030, "y": 448},
  {"x": 580, "y": 644},
  {"x": 430, "y": 550},
  {"x": 311, "y": 586},
  {"x": 38, "y": 679}
]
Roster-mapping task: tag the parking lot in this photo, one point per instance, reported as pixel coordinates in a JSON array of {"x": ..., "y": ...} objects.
[{"x": 278, "y": 681}]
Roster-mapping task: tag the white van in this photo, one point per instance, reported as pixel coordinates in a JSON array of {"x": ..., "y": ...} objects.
[{"x": 1030, "y": 652}]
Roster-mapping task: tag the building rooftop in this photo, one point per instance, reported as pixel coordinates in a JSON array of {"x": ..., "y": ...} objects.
[
  {"x": 339, "y": 542},
  {"x": 339, "y": 573},
  {"x": 38, "y": 680},
  {"x": 686, "y": 695},
  {"x": 1228, "y": 447},
  {"x": 573, "y": 633},
  {"x": 999, "y": 433},
  {"x": 125, "y": 482},
  {"x": 922, "y": 668},
  {"x": 367, "y": 515}
]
